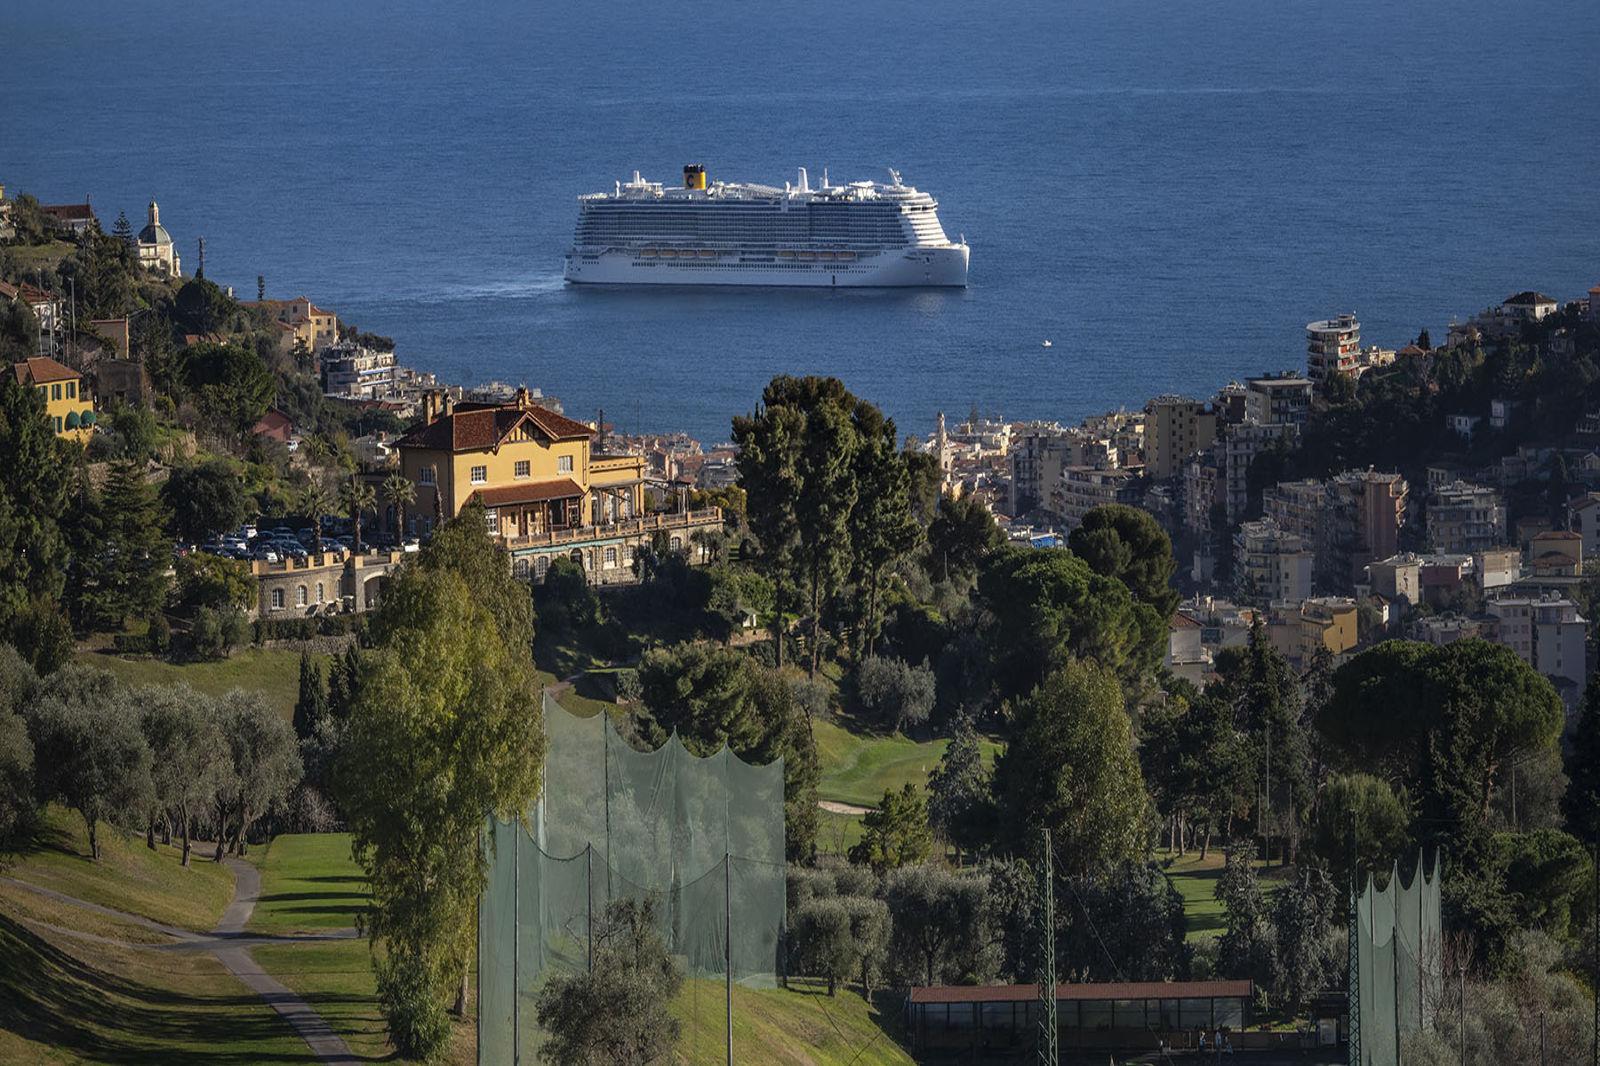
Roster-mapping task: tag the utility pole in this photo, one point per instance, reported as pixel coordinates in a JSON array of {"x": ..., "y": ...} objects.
[
  {"x": 1049, "y": 1052},
  {"x": 1463, "y": 972},
  {"x": 1594, "y": 1046},
  {"x": 1352, "y": 990}
]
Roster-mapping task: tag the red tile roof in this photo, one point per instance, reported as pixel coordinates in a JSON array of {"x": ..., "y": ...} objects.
[
  {"x": 472, "y": 428},
  {"x": 42, "y": 369},
  {"x": 67, "y": 212},
  {"x": 1108, "y": 990},
  {"x": 29, "y": 294},
  {"x": 536, "y": 492},
  {"x": 1183, "y": 621}
]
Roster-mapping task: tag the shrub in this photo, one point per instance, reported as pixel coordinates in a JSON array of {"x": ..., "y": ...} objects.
[
  {"x": 217, "y": 632},
  {"x": 159, "y": 634},
  {"x": 413, "y": 1005}
]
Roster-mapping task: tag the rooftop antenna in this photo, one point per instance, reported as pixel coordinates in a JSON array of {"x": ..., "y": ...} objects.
[
  {"x": 824, "y": 178},
  {"x": 805, "y": 182},
  {"x": 895, "y": 175}
]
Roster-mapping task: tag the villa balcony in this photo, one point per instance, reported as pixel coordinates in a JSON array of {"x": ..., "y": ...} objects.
[{"x": 682, "y": 524}]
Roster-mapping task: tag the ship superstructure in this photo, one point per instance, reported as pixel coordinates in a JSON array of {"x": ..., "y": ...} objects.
[{"x": 732, "y": 233}]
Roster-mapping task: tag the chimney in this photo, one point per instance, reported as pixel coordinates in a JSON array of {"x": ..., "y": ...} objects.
[
  {"x": 449, "y": 405},
  {"x": 522, "y": 397}
]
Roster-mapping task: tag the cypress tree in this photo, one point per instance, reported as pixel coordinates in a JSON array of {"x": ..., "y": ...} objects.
[{"x": 312, "y": 703}]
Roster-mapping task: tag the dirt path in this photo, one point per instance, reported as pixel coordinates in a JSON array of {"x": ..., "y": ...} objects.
[{"x": 231, "y": 945}]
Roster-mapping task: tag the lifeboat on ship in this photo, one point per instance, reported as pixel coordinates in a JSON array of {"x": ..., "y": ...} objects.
[
  {"x": 706, "y": 253},
  {"x": 806, "y": 256},
  {"x": 786, "y": 253},
  {"x": 647, "y": 253},
  {"x": 847, "y": 256},
  {"x": 826, "y": 257},
  {"x": 669, "y": 253}
]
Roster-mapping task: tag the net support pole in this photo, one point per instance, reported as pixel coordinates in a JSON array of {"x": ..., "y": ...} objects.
[
  {"x": 588, "y": 901},
  {"x": 727, "y": 944},
  {"x": 516, "y": 951},
  {"x": 1049, "y": 1035},
  {"x": 1394, "y": 962}
]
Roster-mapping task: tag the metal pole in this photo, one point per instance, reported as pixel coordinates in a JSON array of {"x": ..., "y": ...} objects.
[
  {"x": 727, "y": 942},
  {"x": 588, "y": 902},
  {"x": 1463, "y": 972},
  {"x": 1353, "y": 983},
  {"x": 1541, "y": 1038},
  {"x": 1394, "y": 963},
  {"x": 516, "y": 955},
  {"x": 1049, "y": 1034}
]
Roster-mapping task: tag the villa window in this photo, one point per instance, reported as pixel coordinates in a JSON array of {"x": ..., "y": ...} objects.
[
  {"x": 55, "y": 392},
  {"x": 611, "y": 558},
  {"x": 300, "y": 599},
  {"x": 320, "y": 597},
  {"x": 564, "y": 464},
  {"x": 519, "y": 569},
  {"x": 425, "y": 476},
  {"x": 58, "y": 423},
  {"x": 72, "y": 390},
  {"x": 677, "y": 542},
  {"x": 491, "y": 518},
  {"x": 521, "y": 469},
  {"x": 480, "y": 474},
  {"x": 540, "y": 565},
  {"x": 277, "y": 599}
]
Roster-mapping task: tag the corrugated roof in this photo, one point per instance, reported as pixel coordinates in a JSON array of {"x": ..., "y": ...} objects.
[{"x": 1108, "y": 990}]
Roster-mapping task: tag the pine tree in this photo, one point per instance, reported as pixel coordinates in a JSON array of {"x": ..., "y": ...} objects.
[
  {"x": 124, "y": 574},
  {"x": 343, "y": 687},
  {"x": 261, "y": 287},
  {"x": 312, "y": 703},
  {"x": 123, "y": 230},
  {"x": 1582, "y": 801}
]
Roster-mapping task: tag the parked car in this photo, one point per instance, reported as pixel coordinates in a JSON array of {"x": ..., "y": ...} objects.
[{"x": 266, "y": 553}]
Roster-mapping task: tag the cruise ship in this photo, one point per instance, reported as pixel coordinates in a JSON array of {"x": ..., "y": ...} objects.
[{"x": 864, "y": 234}]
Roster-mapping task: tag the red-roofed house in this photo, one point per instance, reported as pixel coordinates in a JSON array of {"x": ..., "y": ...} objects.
[
  {"x": 546, "y": 491},
  {"x": 46, "y": 306},
  {"x": 75, "y": 218},
  {"x": 274, "y": 425}
]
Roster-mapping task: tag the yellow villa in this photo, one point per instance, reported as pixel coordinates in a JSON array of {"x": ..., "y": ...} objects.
[
  {"x": 66, "y": 403},
  {"x": 545, "y": 489}
]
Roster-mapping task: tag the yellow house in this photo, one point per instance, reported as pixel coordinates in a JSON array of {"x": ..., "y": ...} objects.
[
  {"x": 66, "y": 403},
  {"x": 303, "y": 321},
  {"x": 546, "y": 491}
]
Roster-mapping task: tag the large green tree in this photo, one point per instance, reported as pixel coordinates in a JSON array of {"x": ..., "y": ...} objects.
[
  {"x": 882, "y": 528},
  {"x": 1070, "y": 767},
  {"x": 89, "y": 752},
  {"x": 895, "y": 832},
  {"x": 205, "y": 500},
  {"x": 230, "y": 384},
  {"x": 445, "y": 730},
  {"x": 1126, "y": 543},
  {"x": 189, "y": 755},
  {"x": 713, "y": 696},
  {"x": 1049, "y": 607},
  {"x": 122, "y": 568},
  {"x": 36, "y": 477},
  {"x": 1581, "y": 804},
  {"x": 961, "y": 537}
]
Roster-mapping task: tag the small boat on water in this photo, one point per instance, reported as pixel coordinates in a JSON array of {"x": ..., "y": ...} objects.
[{"x": 1047, "y": 343}]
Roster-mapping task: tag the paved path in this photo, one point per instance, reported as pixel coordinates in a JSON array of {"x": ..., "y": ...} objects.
[
  {"x": 327, "y": 1045},
  {"x": 231, "y": 945}
]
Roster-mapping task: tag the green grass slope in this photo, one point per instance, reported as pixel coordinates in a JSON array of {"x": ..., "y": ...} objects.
[
  {"x": 65, "y": 1000},
  {"x": 858, "y": 767},
  {"x": 274, "y": 673},
  {"x": 308, "y": 883},
  {"x": 803, "y": 1026},
  {"x": 128, "y": 877}
]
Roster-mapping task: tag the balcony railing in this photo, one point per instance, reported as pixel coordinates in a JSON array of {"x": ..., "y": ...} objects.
[{"x": 666, "y": 523}]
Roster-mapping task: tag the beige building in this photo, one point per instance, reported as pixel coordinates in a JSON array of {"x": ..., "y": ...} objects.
[
  {"x": 1271, "y": 566},
  {"x": 1332, "y": 346},
  {"x": 1281, "y": 400},
  {"x": 1082, "y": 489},
  {"x": 306, "y": 323},
  {"x": 1175, "y": 428},
  {"x": 325, "y": 583},
  {"x": 155, "y": 249},
  {"x": 1464, "y": 518},
  {"x": 545, "y": 489}
]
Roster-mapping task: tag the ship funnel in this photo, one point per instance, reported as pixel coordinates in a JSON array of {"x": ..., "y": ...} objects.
[
  {"x": 694, "y": 176},
  {"x": 805, "y": 182}
]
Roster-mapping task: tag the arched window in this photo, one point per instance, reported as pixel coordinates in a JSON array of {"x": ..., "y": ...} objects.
[
  {"x": 677, "y": 542},
  {"x": 540, "y": 565},
  {"x": 300, "y": 596},
  {"x": 320, "y": 597},
  {"x": 519, "y": 568},
  {"x": 277, "y": 599}
]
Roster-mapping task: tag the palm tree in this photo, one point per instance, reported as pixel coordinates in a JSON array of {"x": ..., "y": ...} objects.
[
  {"x": 315, "y": 502},
  {"x": 400, "y": 493},
  {"x": 357, "y": 496}
]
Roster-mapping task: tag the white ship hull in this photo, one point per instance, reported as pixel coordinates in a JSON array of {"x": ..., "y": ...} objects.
[{"x": 926, "y": 266}]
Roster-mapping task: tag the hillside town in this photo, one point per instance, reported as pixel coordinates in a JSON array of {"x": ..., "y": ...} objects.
[{"x": 1169, "y": 642}]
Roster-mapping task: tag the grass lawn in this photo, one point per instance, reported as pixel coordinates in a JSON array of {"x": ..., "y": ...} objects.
[
  {"x": 64, "y": 1000},
  {"x": 308, "y": 883},
  {"x": 794, "y": 1027},
  {"x": 128, "y": 877},
  {"x": 1196, "y": 882},
  {"x": 837, "y": 833},
  {"x": 275, "y": 673},
  {"x": 857, "y": 767}
]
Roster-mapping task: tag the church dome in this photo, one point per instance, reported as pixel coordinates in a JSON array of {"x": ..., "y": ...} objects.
[{"x": 156, "y": 234}]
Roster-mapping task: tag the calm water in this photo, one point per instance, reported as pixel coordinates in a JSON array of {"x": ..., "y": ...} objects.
[{"x": 1168, "y": 191}]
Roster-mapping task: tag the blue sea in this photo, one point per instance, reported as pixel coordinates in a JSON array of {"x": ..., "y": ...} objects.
[{"x": 1167, "y": 191}]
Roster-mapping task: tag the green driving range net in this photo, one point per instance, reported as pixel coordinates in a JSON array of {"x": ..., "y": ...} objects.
[
  {"x": 703, "y": 837},
  {"x": 1398, "y": 965}
]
